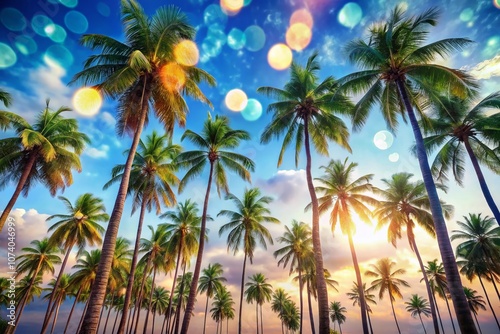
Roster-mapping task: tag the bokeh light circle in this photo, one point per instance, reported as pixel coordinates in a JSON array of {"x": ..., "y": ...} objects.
[
  {"x": 56, "y": 33},
  {"x": 39, "y": 22},
  {"x": 13, "y": 19},
  {"x": 7, "y": 56},
  {"x": 69, "y": 3},
  {"x": 186, "y": 53},
  {"x": 252, "y": 111},
  {"x": 393, "y": 157},
  {"x": 231, "y": 7},
  {"x": 383, "y": 140},
  {"x": 173, "y": 77},
  {"x": 255, "y": 38},
  {"x": 467, "y": 14},
  {"x": 213, "y": 14},
  {"x": 25, "y": 44},
  {"x": 496, "y": 3},
  {"x": 298, "y": 36},
  {"x": 60, "y": 55},
  {"x": 236, "y": 100},
  {"x": 302, "y": 16},
  {"x": 236, "y": 39},
  {"x": 350, "y": 15},
  {"x": 279, "y": 56},
  {"x": 76, "y": 22},
  {"x": 87, "y": 101},
  {"x": 103, "y": 9}
]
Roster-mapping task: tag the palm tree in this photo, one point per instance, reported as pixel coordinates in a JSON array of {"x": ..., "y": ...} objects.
[
  {"x": 210, "y": 282},
  {"x": 27, "y": 291},
  {"x": 476, "y": 302},
  {"x": 215, "y": 139},
  {"x": 386, "y": 280},
  {"x": 337, "y": 314},
  {"x": 345, "y": 195},
  {"x": 181, "y": 297},
  {"x": 298, "y": 246},
  {"x": 258, "y": 291},
  {"x": 45, "y": 152},
  {"x": 159, "y": 303},
  {"x": 455, "y": 122},
  {"x": 369, "y": 299},
  {"x": 80, "y": 227},
  {"x": 278, "y": 304},
  {"x": 397, "y": 72},
  {"x": 5, "y": 97},
  {"x": 418, "y": 306},
  {"x": 305, "y": 109},
  {"x": 291, "y": 316},
  {"x": 58, "y": 292},
  {"x": 246, "y": 229},
  {"x": 405, "y": 203},
  {"x": 222, "y": 307},
  {"x": 137, "y": 71}
]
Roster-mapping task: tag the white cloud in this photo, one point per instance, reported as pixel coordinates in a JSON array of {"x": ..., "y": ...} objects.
[
  {"x": 108, "y": 119},
  {"x": 97, "y": 153},
  {"x": 329, "y": 54},
  {"x": 485, "y": 69},
  {"x": 29, "y": 224}
]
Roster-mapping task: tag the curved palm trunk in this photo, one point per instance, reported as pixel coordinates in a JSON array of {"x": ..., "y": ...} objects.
[
  {"x": 241, "y": 291},
  {"x": 98, "y": 292},
  {"x": 169, "y": 308},
  {"x": 109, "y": 311},
  {"x": 425, "y": 332},
  {"x": 205, "y": 318},
  {"x": 462, "y": 310},
  {"x": 438, "y": 313},
  {"x": 449, "y": 312},
  {"x": 22, "y": 303},
  {"x": 477, "y": 322},
  {"x": 164, "y": 323},
  {"x": 81, "y": 319},
  {"x": 199, "y": 257},
  {"x": 300, "y": 296},
  {"x": 369, "y": 321},
  {"x": 73, "y": 308},
  {"x": 361, "y": 293},
  {"x": 394, "y": 313},
  {"x": 340, "y": 327},
  {"x": 324, "y": 320},
  {"x": 20, "y": 185},
  {"x": 489, "y": 302},
  {"x": 129, "y": 321},
  {"x": 153, "y": 325},
  {"x": 138, "y": 301},
  {"x": 133, "y": 267},
  {"x": 58, "y": 306},
  {"x": 311, "y": 316},
  {"x": 482, "y": 181},
  {"x": 48, "y": 312},
  {"x": 114, "y": 324},
  {"x": 150, "y": 300},
  {"x": 179, "y": 305}
]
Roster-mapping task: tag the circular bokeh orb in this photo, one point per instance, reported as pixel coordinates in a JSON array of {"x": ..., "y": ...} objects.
[
  {"x": 252, "y": 111},
  {"x": 492, "y": 46},
  {"x": 186, "y": 53},
  {"x": 25, "y": 44},
  {"x": 13, "y": 19},
  {"x": 255, "y": 38},
  {"x": 350, "y": 15},
  {"x": 87, "y": 101},
  {"x": 213, "y": 14},
  {"x": 236, "y": 39},
  {"x": 467, "y": 14},
  {"x": 302, "y": 16},
  {"x": 103, "y": 9},
  {"x": 56, "y": 33},
  {"x": 211, "y": 46},
  {"x": 173, "y": 77},
  {"x": 39, "y": 22},
  {"x": 60, "y": 54},
  {"x": 496, "y": 3},
  {"x": 393, "y": 157},
  {"x": 279, "y": 56},
  {"x": 76, "y": 22},
  {"x": 231, "y": 7},
  {"x": 298, "y": 36},
  {"x": 69, "y": 3},
  {"x": 236, "y": 100},
  {"x": 7, "y": 56},
  {"x": 383, "y": 140}
]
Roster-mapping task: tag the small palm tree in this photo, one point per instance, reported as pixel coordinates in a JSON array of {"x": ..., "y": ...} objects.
[
  {"x": 291, "y": 316},
  {"x": 222, "y": 308},
  {"x": 476, "y": 303},
  {"x": 159, "y": 303},
  {"x": 210, "y": 282},
  {"x": 58, "y": 293},
  {"x": 337, "y": 314},
  {"x": 278, "y": 304},
  {"x": 369, "y": 299},
  {"x": 418, "y": 306},
  {"x": 258, "y": 291}
]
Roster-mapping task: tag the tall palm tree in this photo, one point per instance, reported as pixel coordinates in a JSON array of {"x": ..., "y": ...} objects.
[
  {"x": 369, "y": 299},
  {"x": 404, "y": 204},
  {"x": 246, "y": 229},
  {"x": 159, "y": 303},
  {"x": 298, "y": 246},
  {"x": 386, "y": 281},
  {"x": 137, "y": 72},
  {"x": 398, "y": 73},
  {"x": 305, "y": 112},
  {"x": 58, "y": 293},
  {"x": 181, "y": 297},
  {"x": 210, "y": 282},
  {"x": 278, "y": 304},
  {"x": 476, "y": 303},
  {"x": 216, "y": 144},
  {"x": 46, "y": 152},
  {"x": 79, "y": 227},
  {"x": 346, "y": 195},
  {"x": 337, "y": 314},
  {"x": 258, "y": 291},
  {"x": 418, "y": 306},
  {"x": 455, "y": 122}
]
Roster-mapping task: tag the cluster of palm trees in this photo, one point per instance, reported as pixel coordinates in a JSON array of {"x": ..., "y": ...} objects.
[{"x": 397, "y": 74}]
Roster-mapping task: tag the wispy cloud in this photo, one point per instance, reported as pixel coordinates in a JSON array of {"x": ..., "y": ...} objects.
[
  {"x": 97, "y": 153},
  {"x": 485, "y": 69}
]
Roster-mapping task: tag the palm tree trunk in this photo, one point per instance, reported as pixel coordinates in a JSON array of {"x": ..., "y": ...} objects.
[
  {"x": 58, "y": 303},
  {"x": 494, "y": 284},
  {"x": 179, "y": 306},
  {"x": 261, "y": 321},
  {"x": 169, "y": 308},
  {"x": 153, "y": 324},
  {"x": 241, "y": 291},
  {"x": 462, "y": 310},
  {"x": 324, "y": 320},
  {"x": 425, "y": 332},
  {"x": 394, "y": 313},
  {"x": 150, "y": 300},
  {"x": 369, "y": 321},
  {"x": 100, "y": 317},
  {"x": 81, "y": 319},
  {"x": 199, "y": 257},
  {"x": 20, "y": 185},
  {"x": 361, "y": 293},
  {"x": 22, "y": 303},
  {"x": 426, "y": 280},
  {"x": 482, "y": 181},
  {"x": 48, "y": 312},
  {"x": 489, "y": 302},
  {"x": 98, "y": 292},
  {"x": 449, "y": 312},
  {"x": 129, "y": 321},
  {"x": 133, "y": 266},
  {"x": 164, "y": 323},
  {"x": 438, "y": 313},
  {"x": 477, "y": 322},
  {"x": 138, "y": 301},
  {"x": 311, "y": 316},
  {"x": 114, "y": 324},
  {"x": 257, "y": 316},
  {"x": 73, "y": 308},
  {"x": 340, "y": 327},
  {"x": 205, "y": 318},
  {"x": 300, "y": 296},
  {"x": 109, "y": 311}
]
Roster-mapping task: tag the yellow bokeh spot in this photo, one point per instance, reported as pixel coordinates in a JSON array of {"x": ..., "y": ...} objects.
[
  {"x": 186, "y": 53},
  {"x": 236, "y": 100},
  {"x": 298, "y": 36},
  {"x": 302, "y": 16},
  {"x": 279, "y": 56},
  {"x": 173, "y": 77},
  {"x": 87, "y": 101},
  {"x": 231, "y": 7}
]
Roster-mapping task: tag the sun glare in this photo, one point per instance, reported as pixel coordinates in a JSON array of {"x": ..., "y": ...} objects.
[
  {"x": 231, "y": 7},
  {"x": 302, "y": 16},
  {"x": 186, "y": 53},
  {"x": 279, "y": 56},
  {"x": 298, "y": 36},
  {"x": 172, "y": 76},
  {"x": 87, "y": 101},
  {"x": 236, "y": 100}
]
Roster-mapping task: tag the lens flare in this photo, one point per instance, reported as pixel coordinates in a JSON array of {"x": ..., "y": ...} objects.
[
  {"x": 393, "y": 157},
  {"x": 350, "y": 15},
  {"x": 87, "y": 101},
  {"x": 173, "y": 77},
  {"x": 383, "y": 140},
  {"x": 302, "y": 16},
  {"x": 298, "y": 36},
  {"x": 7, "y": 56},
  {"x": 279, "y": 56},
  {"x": 255, "y": 38},
  {"x": 186, "y": 53},
  {"x": 252, "y": 111},
  {"x": 231, "y": 7},
  {"x": 236, "y": 100}
]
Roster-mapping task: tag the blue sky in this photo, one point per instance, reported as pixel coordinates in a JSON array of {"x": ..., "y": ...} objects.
[{"x": 36, "y": 65}]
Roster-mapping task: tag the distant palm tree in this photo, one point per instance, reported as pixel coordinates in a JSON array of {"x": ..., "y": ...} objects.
[
  {"x": 476, "y": 303},
  {"x": 46, "y": 152},
  {"x": 298, "y": 246},
  {"x": 246, "y": 229},
  {"x": 58, "y": 293},
  {"x": 418, "y": 306},
  {"x": 291, "y": 316},
  {"x": 222, "y": 308},
  {"x": 369, "y": 299},
  {"x": 26, "y": 290},
  {"x": 455, "y": 122},
  {"x": 210, "y": 282},
  {"x": 306, "y": 113},
  {"x": 279, "y": 300},
  {"x": 258, "y": 291},
  {"x": 181, "y": 297},
  {"x": 337, "y": 314},
  {"x": 215, "y": 143},
  {"x": 159, "y": 303},
  {"x": 386, "y": 280}
]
